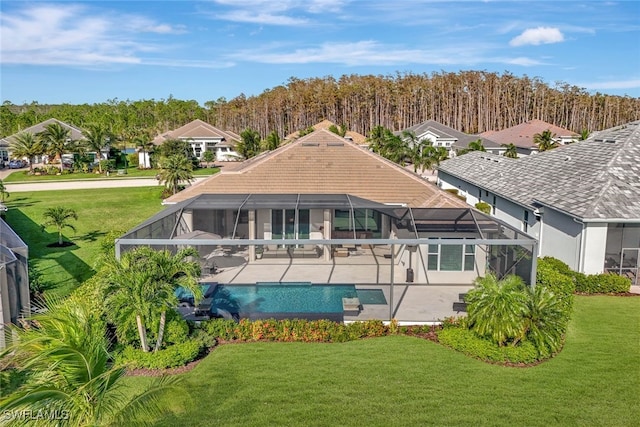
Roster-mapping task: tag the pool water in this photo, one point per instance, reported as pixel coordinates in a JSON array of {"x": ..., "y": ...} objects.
[{"x": 279, "y": 298}]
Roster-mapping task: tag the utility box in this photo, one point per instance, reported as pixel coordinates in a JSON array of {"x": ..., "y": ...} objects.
[{"x": 409, "y": 275}]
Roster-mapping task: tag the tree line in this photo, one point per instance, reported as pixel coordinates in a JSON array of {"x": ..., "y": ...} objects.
[{"x": 469, "y": 101}]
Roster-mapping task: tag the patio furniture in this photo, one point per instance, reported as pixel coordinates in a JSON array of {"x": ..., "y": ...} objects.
[{"x": 341, "y": 252}]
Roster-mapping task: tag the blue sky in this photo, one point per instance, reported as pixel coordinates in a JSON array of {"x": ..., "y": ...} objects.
[{"x": 94, "y": 51}]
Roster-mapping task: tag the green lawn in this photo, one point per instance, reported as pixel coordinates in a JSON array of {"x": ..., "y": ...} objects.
[
  {"x": 404, "y": 381},
  {"x": 99, "y": 211},
  {"x": 132, "y": 172}
]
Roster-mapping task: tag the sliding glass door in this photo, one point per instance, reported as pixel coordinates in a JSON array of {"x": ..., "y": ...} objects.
[{"x": 287, "y": 224}]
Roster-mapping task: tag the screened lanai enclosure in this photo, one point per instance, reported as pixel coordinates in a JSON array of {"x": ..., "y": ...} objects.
[
  {"x": 14, "y": 279},
  {"x": 333, "y": 238}
]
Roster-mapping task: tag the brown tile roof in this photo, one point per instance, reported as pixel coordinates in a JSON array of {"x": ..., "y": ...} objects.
[
  {"x": 522, "y": 135},
  {"x": 197, "y": 129},
  {"x": 326, "y": 124},
  {"x": 75, "y": 133},
  {"x": 324, "y": 163}
]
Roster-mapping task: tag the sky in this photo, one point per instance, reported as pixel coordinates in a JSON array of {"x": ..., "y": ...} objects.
[{"x": 97, "y": 51}]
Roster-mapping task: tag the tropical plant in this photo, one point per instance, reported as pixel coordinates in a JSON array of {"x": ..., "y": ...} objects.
[
  {"x": 272, "y": 142},
  {"x": 70, "y": 374},
  {"x": 97, "y": 139},
  {"x": 56, "y": 140},
  {"x": 544, "y": 140},
  {"x": 174, "y": 171},
  {"x": 341, "y": 131},
  {"x": 584, "y": 134},
  {"x": 140, "y": 287},
  {"x": 496, "y": 309},
  {"x": 59, "y": 217},
  {"x": 208, "y": 156},
  {"x": 483, "y": 207},
  {"x": 3, "y": 192},
  {"x": 249, "y": 146},
  {"x": 175, "y": 147},
  {"x": 511, "y": 151},
  {"x": 473, "y": 146},
  {"x": 544, "y": 320},
  {"x": 144, "y": 144},
  {"x": 27, "y": 145}
]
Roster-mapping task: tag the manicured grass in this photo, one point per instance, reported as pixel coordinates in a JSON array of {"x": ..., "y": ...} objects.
[
  {"x": 99, "y": 211},
  {"x": 132, "y": 172},
  {"x": 408, "y": 381}
]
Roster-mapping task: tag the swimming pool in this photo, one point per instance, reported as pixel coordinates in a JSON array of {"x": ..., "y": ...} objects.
[{"x": 281, "y": 298}]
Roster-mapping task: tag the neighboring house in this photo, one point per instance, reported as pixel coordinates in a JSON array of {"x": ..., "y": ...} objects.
[
  {"x": 202, "y": 137},
  {"x": 350, "y": 135},
  {"x": 326, "y": 199},
  {"x": 4, "y": 152},
  {"x": 581, "y": 202},
  {"x": 14, "y": 280},
  {"x": 449, "y": 138},
  {"x": 75, "y": 134},
  {"x": 522, "y": 136}
]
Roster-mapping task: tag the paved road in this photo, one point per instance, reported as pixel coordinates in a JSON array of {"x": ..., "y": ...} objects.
[{"x": 85, "y": 184}]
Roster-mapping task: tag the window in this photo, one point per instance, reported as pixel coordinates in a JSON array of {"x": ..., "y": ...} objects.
[
  {"x": 451, "y": 257},
  {"x": 525, "y": 221},
  {"x": 493, "y": 206}
]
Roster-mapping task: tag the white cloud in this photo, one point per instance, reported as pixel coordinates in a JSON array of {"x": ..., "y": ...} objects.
[
  {"x": 269, "y": 12},
  {"x": 372, "y": 53},
  {"x": 63, "y": 34},
  {"x": 612, "y": 84},
  {"x": 539, "y": 35}
]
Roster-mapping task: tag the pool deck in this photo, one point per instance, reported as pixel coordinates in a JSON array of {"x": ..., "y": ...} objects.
[{"x": 413, "y": 303}]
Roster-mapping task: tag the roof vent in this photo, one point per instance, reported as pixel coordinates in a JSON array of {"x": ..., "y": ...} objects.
[
  {"x": 335, "y": 144},
  {"x": 610, "y": 141},
  {"x": 567, "y": 158},
  {"x": 310, "y": 144}
]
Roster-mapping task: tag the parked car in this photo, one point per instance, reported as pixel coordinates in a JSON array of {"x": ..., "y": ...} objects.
[{"x": 16, "y": 164}]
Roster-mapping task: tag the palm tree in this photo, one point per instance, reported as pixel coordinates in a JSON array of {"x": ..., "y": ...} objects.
[
  {"x": 26, "y": 144},
  {"x": 544, "y": 140},
  {"x": 3, "y": 192},
  {"x": 544, "y": 319},
  {"x": 169, "y": 272},
  {"x": 59, "y": 217},
  {"x": 174, "y": 170},
  {"x": 584, "y": 134},
  {"x": 511, "y": 151},
  {"x": 141, "y": 285},
  {"x": 473, "y": 146},
  {"x": 97, "y": 139},
  {"x": 143, "y": 143},
  {"x": 496, "y": 308},
  {"x": 249, "y": 146},
  {"x": 272, "y": 142},
  {"x": 341, "y": 131},
  {"x": 56, "y": 140},
  {"x": 71, "y": 374}
]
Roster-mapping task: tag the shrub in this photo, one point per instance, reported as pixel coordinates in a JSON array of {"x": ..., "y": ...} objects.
[
  {"x": 176, "y": 331},
  {"x": 171, "y": 357},
  {"x": 561, "y": 284},
  {"x": 467, "y": 342},
  {"x": 483, "y": 207},
  {"x": 602, "y": 283},
  {"x": 456, "y": 193}
]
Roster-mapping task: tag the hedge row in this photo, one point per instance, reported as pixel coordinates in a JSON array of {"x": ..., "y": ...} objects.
[
  {"x": 290, "y": 330},
  {"x": 607, "y": 283}
]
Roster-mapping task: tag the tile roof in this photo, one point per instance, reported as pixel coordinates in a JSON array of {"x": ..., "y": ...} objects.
[
  {"x": 522, "y": 135},
  {"x": 326, "y": 124},
  {"x": 198, "y": 129},
  {"x": 462, "y": 139},
  {"x": 76, "y": 133},
  {"x": 324, "y": 163},
  {"x": 595, "y": 179}
]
